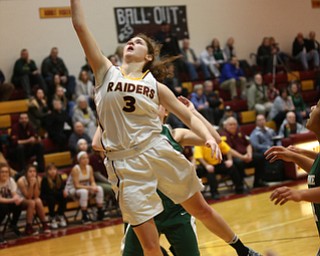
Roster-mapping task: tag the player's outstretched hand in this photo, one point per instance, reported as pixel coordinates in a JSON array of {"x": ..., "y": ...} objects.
[
  {"x": 278, "y": 152},
  {"x": 284, "y": 194}
]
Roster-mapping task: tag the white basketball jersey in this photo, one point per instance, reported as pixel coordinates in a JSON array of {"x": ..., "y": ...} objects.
[{"x": 127, "y": 109}]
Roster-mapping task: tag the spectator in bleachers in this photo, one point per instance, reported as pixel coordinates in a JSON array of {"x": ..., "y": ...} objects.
[
  {"x": 215, "y": 102},
  {"x": 281, "y": 105},
  {"x": 206, "y": 58},
  {"x": 261, "y": 138},
  {"x": 244, "y": 156},
  {"x": 53, "y": 193},
  {"x": 78, "y": 133},
  {"x": 218, "y": 53},
  {"x": 173, "y": 82},
  {"x": 257, "y": 96},
  {"x": 200, "y": 102},
  {"x": 272, "y": 92},
  {"x": 313, "y": 42},
  {"x": 6, "y": 89},
  {"x": 282, "y": 57},
  {"x": 67, "y": 105},
  {"x": 85, "y": 87},
  {"x": 84, "y": 114},
  {"x": 29, "y": 189},
  {"x": 192, "y": 63},
  {"x": 81, "y": 185},
  {"x": 229, "y": 49},
  {"x": 10, "y": 201},
  {"x": 59, "y": 125},
  {"x": 291, "y": 126},
  {"x": 265, "y": 56},
  {"x": 54, "y": 65},
  {"x": 26, "y": 74},
  {"x": 209, "y": 166},
  {"x": 3, "y": 160},
  {"x": 38, "y": 111},
  {"x": 301, "y": 109},
  {"x": 86, "y": 67},
  {"x": 99, "y": 169},
  {"x": 232, "y": 76},
  {"x": 25, "y": 143},
  {"x": 303, "y": 52},
  {"x": 228, "y": 112}
]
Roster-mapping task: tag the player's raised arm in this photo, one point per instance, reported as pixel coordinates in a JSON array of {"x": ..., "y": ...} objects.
[{"x": 99, "y": 63}]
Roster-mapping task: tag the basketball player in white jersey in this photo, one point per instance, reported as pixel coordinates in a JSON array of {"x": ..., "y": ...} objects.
[{"x": 140, "y": 160}]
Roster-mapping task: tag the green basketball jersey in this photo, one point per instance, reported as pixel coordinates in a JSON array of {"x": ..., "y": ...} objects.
[{"x": 314, "y": 181}]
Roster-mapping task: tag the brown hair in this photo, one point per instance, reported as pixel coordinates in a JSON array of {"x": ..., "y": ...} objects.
[
  {"x": 2, "y": 165},
  {"x": 58, "y": 179},
  {"x": 156, "y": 66}
]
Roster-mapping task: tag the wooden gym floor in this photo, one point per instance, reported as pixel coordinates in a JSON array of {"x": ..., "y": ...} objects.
[{"x": 269, "y": 229}]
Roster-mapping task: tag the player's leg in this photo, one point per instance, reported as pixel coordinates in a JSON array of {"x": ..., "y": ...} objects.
[
  {"x": 149, "y": 238},
  {"x": 199, "y": 208}
]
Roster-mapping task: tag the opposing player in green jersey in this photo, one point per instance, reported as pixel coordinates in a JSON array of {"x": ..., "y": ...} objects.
[{"x": 307, "y": 160}]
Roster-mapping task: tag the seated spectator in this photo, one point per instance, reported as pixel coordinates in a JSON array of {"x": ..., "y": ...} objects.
[
  {"x": 59, "y": 125},
  {"x": 206, "y": 58},
  {"x": 229, "y": 49},
  {"x": 200, "y": 102},
  {"x": 84, "y": 114},
  {"x": 26, "y": 74},
  {"x": 3, "y": 160},
  {"x": 25, "y": 143},
  {"x": 272, "y": 92},
  {"x": 54, "y": 65},
  {"x": 10, "y": 201},
  {"x": 231, "y": 76},
  {"x": 99, "y": 169},
  {"x": 228, "y": 112},
  {"x": 192, "y": 63},
  {"x": 281, "y": 105},
  {"x": 244, "y": 156},
  {"x": 282, "y": 58},
  {"x": 218, "y": 53},
  {"x": 67, "y": 105},
  {"x": 257, "y": 96},
  {"x": 215, "y": 102},
  {"x": 29, "y": 189},
  {"x": 86, "y": 67},
  {"x": 6, "y": 89},
  {"x": 291, "y": 126},
  {"x": 173, "y": 82},
  {"x": 210, "y": 166},
  {"x": 262, "y": 138},
  {"x": 303, "y": 51},
  {"x": 81, "y": 185},
  {"x": 313, "y": 42},
  {"x": 300, "y": 106},
  {"x": 85, "y": 87},
  {"x": 77, "y": 134},
  {"x": 265, "y": 56},
  {"x": 53, "y": 193},
  {"x": 38, "y": 111}
]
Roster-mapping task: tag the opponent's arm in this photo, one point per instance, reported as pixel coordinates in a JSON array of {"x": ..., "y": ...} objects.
[
  {"x": 99, "y": 63},
  {"x": 278, "y": 152},
  {"x": 172, "y": 104}
]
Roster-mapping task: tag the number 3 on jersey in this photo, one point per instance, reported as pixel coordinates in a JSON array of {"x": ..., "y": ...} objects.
[{"x": 130, "y": 101}]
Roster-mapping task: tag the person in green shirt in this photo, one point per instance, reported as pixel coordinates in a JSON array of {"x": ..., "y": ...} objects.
[
  {"x": 307, "y": 160},
  {"x": 26, "y": 74}
]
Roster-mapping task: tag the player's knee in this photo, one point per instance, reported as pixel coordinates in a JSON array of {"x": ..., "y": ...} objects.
[{"x": 203, "y": 212}]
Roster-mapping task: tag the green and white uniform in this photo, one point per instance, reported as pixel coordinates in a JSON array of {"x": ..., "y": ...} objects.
[{"x": 174, "y": 222}]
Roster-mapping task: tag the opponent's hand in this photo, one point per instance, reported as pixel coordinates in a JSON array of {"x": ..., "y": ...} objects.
[
  {"x": 285, "y": 194},
  {"x": 278, "y": 152}
]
